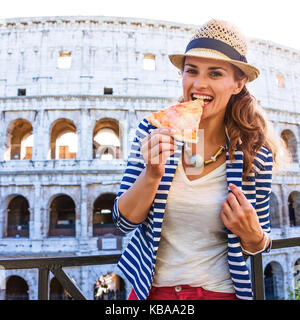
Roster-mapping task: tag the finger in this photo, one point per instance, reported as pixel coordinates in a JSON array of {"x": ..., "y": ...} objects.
[
  {"x": 157, "y": 149},
  {"x": 162, "y": 147},
  {"x": 156, "y": 142},
  {"x": 157, "y": 138},
  {"x": 233, "y": 202},
  {"x": 227, "y": 214},
  {"x": 150, "y": 136},
  {"x": 241, "y": 198},
  {"x": 165, "y": 155},
  {"x": 226, "y": 208},
  {"x": 224, "y": 218},
  {"x": 154, "y": 155},
  {"x": 163, "y": 131}
]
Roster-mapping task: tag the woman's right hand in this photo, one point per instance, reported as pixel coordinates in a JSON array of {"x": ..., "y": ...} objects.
[{"x": 156, "y": 148}]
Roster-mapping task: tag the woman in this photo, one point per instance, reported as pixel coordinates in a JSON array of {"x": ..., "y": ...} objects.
[{"x": 194, "y": 224}]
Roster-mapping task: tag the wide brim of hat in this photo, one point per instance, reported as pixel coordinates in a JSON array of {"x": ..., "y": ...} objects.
[{"x": 177, "y": 60}]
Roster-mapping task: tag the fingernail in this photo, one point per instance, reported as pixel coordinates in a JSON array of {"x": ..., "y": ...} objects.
[{"x": 231, "y": 185}]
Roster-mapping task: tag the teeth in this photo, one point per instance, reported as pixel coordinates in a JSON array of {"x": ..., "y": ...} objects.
[{"x": 196, "y": 96}]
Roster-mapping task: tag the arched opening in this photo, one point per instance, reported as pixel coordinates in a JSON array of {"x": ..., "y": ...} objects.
[
  {"x": 20, "y": 140},
  {"x": 63, "y": 140},
  {"x": 57, "y": 292},
  {"x": 64, "y": 60},
  {"x": 109, "y": 287},
  {"x": 26, "y": 147},
  {"x": 62, "y": 217},
  {"x": 280, "y": 80},
  {"x": 16, "y": 289},
  {"x": 102, "y": 215},
  {"x": 273, "y": 281},
  {"x": 149, "y": 62},
  {"x": 291, "y": 143},
  {"x": 274, "y": 211},
  {"x": 18, "y": 217},
  {"x": 106, "y": 140},
  {"x": 66, "y": 146},
  {"x": 294, "y": 208}
]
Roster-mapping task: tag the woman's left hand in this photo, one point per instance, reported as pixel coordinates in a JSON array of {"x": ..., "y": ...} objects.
[{"x": 240, "y": 218}]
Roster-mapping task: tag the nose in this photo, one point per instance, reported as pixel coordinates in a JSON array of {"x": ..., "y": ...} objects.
[{"x": 200, "y": 82}]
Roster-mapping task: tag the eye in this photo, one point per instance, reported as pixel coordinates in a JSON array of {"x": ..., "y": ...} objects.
[
  {"x": 191, "y": 71},
  {"x": 215, "y": 74}
]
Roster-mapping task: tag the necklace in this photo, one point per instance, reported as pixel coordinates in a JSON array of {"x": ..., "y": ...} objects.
[{"x": 197, "y": 161}]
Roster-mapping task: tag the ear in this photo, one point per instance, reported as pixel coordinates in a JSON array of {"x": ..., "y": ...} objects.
[{"x": 239, "y": 85}]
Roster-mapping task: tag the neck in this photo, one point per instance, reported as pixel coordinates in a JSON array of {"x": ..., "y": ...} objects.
[{"x": 214, "y": 132}]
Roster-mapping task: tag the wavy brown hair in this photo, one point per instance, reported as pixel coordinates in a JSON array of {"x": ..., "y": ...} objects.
[{"x": 249, "y": 130}]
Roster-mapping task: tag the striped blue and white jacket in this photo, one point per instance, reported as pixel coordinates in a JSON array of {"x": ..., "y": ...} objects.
[{"x": 138, "y": 260}]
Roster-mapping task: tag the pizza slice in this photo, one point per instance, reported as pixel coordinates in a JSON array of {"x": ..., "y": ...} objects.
[{"x": 183, "y": 117}]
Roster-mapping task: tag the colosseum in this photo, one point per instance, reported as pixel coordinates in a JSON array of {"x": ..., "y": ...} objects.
[{"x": 72, "y": 91}]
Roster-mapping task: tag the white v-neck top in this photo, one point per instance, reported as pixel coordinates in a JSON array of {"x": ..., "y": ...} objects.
[{"x": 193, "y": 245}]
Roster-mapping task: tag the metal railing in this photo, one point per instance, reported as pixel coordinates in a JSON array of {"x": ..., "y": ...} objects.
[
  {"x": 257, "y": 272},
  {"x": 56, "y": 265}
]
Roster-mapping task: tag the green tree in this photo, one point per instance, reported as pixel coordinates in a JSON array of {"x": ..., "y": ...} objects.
[{"x": 294, "y": 295}]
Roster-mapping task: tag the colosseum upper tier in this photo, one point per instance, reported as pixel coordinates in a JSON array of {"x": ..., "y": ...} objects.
[{"x": 72, "y": 91}]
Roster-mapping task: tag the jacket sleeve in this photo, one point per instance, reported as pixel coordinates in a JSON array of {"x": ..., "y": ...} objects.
[
  {"x": 135, "y": 166},
  {"x": 263, "y": 182}
]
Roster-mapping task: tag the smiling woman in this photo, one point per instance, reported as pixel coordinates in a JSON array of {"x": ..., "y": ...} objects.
[{"x": 194, "y": 226}]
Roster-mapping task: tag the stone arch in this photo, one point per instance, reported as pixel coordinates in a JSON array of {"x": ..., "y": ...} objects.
[
  {"x": 16, "y": 289},
  {"x": 102, "y": 215},
  {"x": 65, "y": 130},
  {"x": 18, "y": 132},
  {"x": 18, "y": 217},
  {"x": 107, "y": 139},
  {"x": 290, "y": 140},
  {"x": 62, "y": 215},
  {"x": 109, "y": 286},
  {"x": 274, "y": 281},
  {"x": 294, "y": 208},
  {"x": 274, "y": 211}
]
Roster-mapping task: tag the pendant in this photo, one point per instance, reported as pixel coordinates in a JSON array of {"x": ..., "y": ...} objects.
[{"x": 197, "y": 161}]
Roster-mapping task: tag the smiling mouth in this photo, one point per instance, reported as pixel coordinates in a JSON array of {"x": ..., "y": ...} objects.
[{"x": 206, "y": 99}]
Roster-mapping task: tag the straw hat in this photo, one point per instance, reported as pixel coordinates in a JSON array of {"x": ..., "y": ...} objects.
[{"x": 219, "y": 40}]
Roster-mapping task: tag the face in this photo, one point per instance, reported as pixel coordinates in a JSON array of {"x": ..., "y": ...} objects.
[{"x": 212, "y": 80}]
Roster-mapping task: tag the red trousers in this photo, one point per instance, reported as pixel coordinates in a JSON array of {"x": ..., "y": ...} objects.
[{"x": 184, "y": 292}]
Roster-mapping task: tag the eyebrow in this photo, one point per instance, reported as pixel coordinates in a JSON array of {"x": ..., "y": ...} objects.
[{"x": 210, "y": 68}]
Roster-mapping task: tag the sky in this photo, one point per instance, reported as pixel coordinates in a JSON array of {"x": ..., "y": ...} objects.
[{"x": 274, "y": 20}]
